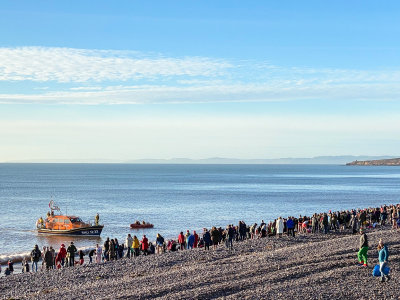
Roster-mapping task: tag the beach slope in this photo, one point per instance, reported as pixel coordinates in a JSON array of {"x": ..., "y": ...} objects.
[{"x": 308, "y": 266}]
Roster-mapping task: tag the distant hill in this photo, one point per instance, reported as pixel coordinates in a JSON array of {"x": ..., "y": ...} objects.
[
  {"x": 378, "y": 162},
  {"x": 318, "y": 160},
  {"x": 322, "y": 160}
]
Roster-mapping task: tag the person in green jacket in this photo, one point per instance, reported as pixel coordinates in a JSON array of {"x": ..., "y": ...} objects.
[{"x": 363, "y": 252}]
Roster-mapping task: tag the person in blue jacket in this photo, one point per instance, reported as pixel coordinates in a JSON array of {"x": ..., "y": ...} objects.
[
  {"x": 383, "y": 260},
  {"x": 290, "y": 227},
  {"x": 190, "y": 241}
]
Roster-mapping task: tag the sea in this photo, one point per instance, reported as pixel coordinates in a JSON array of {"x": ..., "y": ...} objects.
[{"x": 176, "y": 197}]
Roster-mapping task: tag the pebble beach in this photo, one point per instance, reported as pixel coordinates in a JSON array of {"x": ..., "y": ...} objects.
[{"x": 308, "y": 266}]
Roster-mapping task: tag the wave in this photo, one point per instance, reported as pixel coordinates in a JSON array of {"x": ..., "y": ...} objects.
[{"x": 19, "y": 257}]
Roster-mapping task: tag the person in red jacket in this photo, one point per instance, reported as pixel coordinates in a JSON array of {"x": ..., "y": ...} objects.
[
  {"x": 181, "y": 240},
  {"x": 63, "y": 254},
  {"x": 196, "y": 239},
  {"x": 145, "y": 244},
  {"x": 58, "y": 260}
]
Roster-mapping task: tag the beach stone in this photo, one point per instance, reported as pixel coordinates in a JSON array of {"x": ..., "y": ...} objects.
[{"x": 308, "y": 267}]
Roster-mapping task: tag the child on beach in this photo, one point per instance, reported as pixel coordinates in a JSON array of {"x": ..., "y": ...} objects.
[
  {"x": 81, "y": 255},
  {"x": 25, "y": 266},
  {"x": 363, "y": 252},
  {"x": 383, "y": 254}
]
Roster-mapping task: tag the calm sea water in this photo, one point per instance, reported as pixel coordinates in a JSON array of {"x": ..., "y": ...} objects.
[{"x": 178, "y": 197}]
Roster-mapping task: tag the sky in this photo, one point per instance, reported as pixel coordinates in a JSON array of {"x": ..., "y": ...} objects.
[{"x": 124, "y": 80}]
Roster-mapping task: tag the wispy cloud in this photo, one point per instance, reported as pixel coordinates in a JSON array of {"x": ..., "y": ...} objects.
[
  {"x": 79, "y": 76},
  {"x": 209, "y": 93},
  {"x": 80, "y": 65}
]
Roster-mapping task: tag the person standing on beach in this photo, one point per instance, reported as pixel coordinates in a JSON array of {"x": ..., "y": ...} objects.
[
  {"x": 63, "y": 254},
  {"x": 290, "y": 227},
  {"x": 363, "y": 252},
  {"x": 25, "y": 266},
  {"x": 91, "y": 253},
  {"x": 128, "y": 245},
  {"x": 215, "y": 237},
  {"x": 383, "y": 260},
  {"x": 159, "y": 243},
  {"x": 111, "y": 250},
  {"x": 353, "y": 224},
  {"x": 135, "y": 246},
  {"x": 99, "y": 251},
  {"x": 206, "y": 239},
  {"x": 53, "y": 254},
  {"x": 48, "y": 258},
  {"x": 71, "y": 251},
  {"x": 145, "y": 244},
  {"x": 196, "y": 239},
  {"x": 190, "y": 241},
  {"x": 58, "y": 261},
  {"x": 314, "y": 223},
  {"x": 279, "y": 227},
  {"x": 325, "y": 223},
  {"x": 107, "y": 249},
  {"x": 43, "y": 261},
  {"x": 10, "y": 266},
  {"x": 363, "y": 219},
  {"x": 230, "y": 235},
  {"x": 35, "y": 257},
  {"x": 181, "y": 240},
  {"x": 81, "y": 255},
  {"x": 187, "y": 235}
]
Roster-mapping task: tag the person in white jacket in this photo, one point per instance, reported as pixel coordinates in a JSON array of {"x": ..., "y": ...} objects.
[
  {"x": 279, "y": 227},
  {"x": 128, "y": 245},
  {"x": 99, "y": 252}
]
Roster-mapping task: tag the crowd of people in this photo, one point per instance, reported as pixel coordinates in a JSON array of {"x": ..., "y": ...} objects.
[{"x": 351, "y": 221}]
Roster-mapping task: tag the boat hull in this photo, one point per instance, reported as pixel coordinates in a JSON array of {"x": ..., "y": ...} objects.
[
  {"x": 140, "y": 226},
  {"x": 83, "y": 231}
]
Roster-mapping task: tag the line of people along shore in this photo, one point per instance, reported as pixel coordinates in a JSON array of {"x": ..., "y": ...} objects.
[{"x": 351, "y": 221}]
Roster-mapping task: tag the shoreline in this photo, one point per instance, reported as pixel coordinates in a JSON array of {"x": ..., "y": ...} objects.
[{"x": 312, "y": 266}]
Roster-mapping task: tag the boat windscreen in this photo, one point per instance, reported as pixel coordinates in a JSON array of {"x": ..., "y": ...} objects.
[{"x": 75, "y": 220}]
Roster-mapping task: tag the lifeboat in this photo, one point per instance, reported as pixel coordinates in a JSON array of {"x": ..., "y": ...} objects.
[
  {"x": 59, "y": 224},
  {"x": 138, "y": 225}
]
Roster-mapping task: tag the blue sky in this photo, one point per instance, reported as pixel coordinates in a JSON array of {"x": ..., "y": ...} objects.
[{"x": 84, "y": 80}]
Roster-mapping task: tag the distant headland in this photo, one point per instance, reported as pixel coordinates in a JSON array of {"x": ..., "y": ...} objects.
[
  {"x": 379, "y": 162},
  {"x": 321, "y": 160}
]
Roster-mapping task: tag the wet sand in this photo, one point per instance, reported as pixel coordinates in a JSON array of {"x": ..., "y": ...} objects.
[{"x": 308, "y": 266}]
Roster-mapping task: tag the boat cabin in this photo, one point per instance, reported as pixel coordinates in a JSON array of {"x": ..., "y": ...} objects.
[{"x": 59, "y": 222}]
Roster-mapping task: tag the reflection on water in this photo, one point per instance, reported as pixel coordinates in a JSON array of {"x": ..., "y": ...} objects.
[
  {"x": 57, "y": 240},
  {"x": 177, "y": 197}
]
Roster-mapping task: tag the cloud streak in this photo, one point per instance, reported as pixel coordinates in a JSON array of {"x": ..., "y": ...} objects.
[
  {"x": 79, "y": 76},
  {"x": 143, "y": 94},
  {"x": 80, "y": 65}
]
